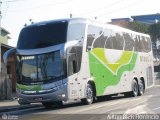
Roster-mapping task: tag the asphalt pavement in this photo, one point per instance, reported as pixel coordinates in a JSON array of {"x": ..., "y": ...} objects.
[{"x": 149, "y": 103}]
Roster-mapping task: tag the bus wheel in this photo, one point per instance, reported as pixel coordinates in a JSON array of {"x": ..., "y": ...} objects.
[
  {"x": 141, "y": 88},
  {"x": 50, "y": 104},
  {"x": 47, "y": 104},
  {"x": 134, "y": 91},
  {"x": 23, "y": 102},
  {"x": 90, "y": 95}
]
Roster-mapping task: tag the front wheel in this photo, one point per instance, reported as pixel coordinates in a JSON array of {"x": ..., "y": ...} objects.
[
  {"x": 23, "y": 102},
  {"x": 51, "y": 104},
  {"x": 47, "y": 104},
  {"x": 90, "y": 95}
]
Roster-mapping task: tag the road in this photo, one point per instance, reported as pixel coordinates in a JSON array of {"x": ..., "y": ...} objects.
[{"x": 149, "y": 103}]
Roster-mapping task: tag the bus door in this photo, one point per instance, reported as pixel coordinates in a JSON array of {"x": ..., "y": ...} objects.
[{"x": 73, "y": 76}]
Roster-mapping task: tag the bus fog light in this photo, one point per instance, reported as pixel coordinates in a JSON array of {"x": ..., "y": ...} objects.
[{"x": 63, "y": 95}]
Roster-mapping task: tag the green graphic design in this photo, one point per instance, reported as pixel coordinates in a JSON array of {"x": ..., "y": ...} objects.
[
  {"x": 27, "y": 87},
  {"x": 103, "y": 77},
  {"x": 125, "y": 58}
]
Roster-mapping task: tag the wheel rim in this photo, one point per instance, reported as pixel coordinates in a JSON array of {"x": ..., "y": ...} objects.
[
  {"x": 141, "y": 88},
  {"x": 135, "y": 89},
  {"x": 89, "y": 95}
]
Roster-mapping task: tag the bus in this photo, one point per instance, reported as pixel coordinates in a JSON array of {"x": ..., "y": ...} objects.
[{"x": 80, "y": 59}]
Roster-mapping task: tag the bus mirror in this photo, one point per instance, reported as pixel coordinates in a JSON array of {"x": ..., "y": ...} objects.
[{"x": 7, "y": 54}]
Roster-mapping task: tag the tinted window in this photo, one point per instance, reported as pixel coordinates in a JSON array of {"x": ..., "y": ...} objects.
[
  {"x": 110, "y": 39},
  {"x": 76, "y": 31},
  {"x": 115, "y": 40},
  {"x": 148, "y": 44},
  {"x": 41, "y": 67},
  {"x": 142, "y": 44},
  {"x": 74, "y": 54},
  {"x": 45, "y": 35},
  {"x": 129, "y": 41},
  {"x": 120, "y": 41},
  {"x": 94, "y": 33},
  {"x": 109, "y": 42},
  {"x": 136, "y": 43}
]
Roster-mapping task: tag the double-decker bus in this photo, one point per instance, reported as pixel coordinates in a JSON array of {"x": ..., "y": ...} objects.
[{"x": 71, "y": 59}]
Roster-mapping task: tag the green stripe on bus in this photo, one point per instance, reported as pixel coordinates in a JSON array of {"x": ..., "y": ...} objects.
[
  {"x": 103, "y": 77},
  {"x": 28, "y": 87},
  {"x": 125, "y": 58}
]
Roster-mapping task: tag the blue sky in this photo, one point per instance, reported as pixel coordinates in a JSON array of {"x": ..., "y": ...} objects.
[{"x": 15, "y": 13}]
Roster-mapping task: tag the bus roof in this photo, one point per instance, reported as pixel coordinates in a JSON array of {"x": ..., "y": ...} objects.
[
  {"x": 94, "y": 22},
  {"x": 57, "y": 20}
]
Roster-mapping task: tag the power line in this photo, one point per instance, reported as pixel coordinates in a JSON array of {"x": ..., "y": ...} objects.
[
  {"x": 33, "y": 8},
  {"x": 12, "y": 1},
  {"x": 102, "y": 8},
  {"x": 121, "y": 8},
  {"x": 4, "y": 13}
]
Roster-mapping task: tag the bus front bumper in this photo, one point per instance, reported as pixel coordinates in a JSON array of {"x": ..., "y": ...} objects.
[{"x": 59, "y": 95}]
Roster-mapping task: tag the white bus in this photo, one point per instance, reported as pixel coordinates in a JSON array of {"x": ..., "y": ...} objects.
[{"x": 71, "y": 59}]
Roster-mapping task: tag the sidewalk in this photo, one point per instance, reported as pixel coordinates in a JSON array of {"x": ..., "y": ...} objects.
[
  {"x": 10, "y": 105},
  {"x": 6, "y": 103},
  {"x": 11, "y": 102}
]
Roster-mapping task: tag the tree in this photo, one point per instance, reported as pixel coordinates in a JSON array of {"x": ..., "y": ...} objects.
[
  {"x": 139, "y": 27},
  {"x": 154, "y": 31}
]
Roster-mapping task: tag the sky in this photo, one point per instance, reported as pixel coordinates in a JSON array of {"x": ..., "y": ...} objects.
[{"x": 16, "y": 13}]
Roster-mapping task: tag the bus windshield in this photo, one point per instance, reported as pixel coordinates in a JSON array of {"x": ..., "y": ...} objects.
[
  {"x": 43, "y": 35},
  {"x": 42, "y": 67}
]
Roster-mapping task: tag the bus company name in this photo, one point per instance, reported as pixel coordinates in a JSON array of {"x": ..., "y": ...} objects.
[
  {"x": 28, "y": 58},
  {"x": 145, "y": 59}
]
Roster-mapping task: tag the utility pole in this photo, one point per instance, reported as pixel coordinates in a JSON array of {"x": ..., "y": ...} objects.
[
  {"x": 0, "y": 17},
  {"x": 0, "y": 36}
]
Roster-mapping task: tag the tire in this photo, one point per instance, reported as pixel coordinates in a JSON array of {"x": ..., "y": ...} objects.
[
  {"x": 141, "y": 88},
  {"x": 108, "y": 97},
  {"x": 90, "y": 95},
  {"x": 23, "y": 102},
  {"x": 51, "y": 104},
  {"x": 47, "y": 104},
  {"x": 134, "y": 91}
]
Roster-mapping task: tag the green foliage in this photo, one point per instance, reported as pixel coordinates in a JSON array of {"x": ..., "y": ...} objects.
[
  {"x": 154, "y": 31},
  {"x": 139, "y": 27}
]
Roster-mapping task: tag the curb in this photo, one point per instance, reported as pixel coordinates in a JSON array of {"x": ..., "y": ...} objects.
[{"x": 18, "y": 107}]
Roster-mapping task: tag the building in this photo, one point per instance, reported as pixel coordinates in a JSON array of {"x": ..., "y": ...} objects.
[
  {"x": 3, "y": 41},
  {"x": 4, "y": 36},
  {"x": 147, "y": 19},
  {"x": 7, "y": 74}
]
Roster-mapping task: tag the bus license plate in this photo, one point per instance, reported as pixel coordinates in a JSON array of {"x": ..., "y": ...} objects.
[{"x": 38, "y": 99}]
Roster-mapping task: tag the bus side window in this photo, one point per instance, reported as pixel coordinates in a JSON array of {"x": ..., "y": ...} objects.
[{"x": 72, "y": 64}]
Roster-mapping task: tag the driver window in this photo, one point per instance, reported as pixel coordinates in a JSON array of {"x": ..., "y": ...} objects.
[{"x": 72, "y": 64}]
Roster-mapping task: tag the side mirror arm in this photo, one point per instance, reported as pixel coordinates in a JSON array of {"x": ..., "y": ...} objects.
[{"x": 7, "y": 54}]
